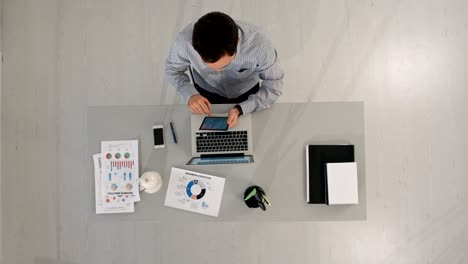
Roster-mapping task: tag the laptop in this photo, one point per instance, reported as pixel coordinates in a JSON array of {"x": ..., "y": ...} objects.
[{"x": 212, "y": 147}]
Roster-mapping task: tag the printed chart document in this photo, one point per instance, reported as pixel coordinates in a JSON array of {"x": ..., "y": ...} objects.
[
  {"x": 100, "y": 208},
  {"x": 194, "y": 192},
  {"x": 119, "y": 177}
]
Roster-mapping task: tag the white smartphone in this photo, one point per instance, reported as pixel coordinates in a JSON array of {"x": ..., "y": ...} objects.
[{"x": 158, "y": 134}]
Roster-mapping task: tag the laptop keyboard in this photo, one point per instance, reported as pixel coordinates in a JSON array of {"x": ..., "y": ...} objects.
[{"x": 222, "y": 141}]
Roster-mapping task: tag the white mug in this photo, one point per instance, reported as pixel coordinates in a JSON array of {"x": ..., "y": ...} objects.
[{"x": 150, "y": 182}]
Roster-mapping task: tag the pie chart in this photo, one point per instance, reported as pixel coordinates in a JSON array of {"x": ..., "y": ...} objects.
[{"x": 195, "y": 190}]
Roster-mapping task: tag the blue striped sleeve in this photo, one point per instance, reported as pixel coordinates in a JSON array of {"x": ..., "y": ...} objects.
[
  {"x": 177, "y": 64},
  {"x": 271, "y": 75}
]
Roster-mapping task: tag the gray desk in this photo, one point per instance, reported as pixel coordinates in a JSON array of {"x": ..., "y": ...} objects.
[{"x": 279, "y": 135}]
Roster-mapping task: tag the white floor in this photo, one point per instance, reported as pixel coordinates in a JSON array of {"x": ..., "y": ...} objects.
[{"x": 407, "y": 60}]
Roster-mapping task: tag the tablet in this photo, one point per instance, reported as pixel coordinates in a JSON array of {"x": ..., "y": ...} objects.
[{"x": 214, "y": 123}]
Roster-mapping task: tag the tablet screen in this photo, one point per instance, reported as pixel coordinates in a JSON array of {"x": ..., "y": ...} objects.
[{"x": 214, "y": 123}]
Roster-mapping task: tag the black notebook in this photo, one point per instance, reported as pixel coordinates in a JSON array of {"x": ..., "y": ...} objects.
[{"x": 316, "y": 158}]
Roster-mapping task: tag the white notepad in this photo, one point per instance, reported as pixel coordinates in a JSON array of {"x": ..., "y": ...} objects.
[{"x": 342, "y": 183}]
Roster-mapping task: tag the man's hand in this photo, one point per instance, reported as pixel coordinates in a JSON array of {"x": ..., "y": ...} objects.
[
  {"x": 233, "y": 117},
  {"x": 199, "y": 105}
]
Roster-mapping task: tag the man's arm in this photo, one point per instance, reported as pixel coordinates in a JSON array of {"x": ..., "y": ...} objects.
[
  {"x": 177, "y": 64},
  {"x": 271, "y": 75}
]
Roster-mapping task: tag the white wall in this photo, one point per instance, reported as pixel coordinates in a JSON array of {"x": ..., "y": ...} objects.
[
  {"x": 29, "y": 126},
  {"x": 1, "y": 139}
]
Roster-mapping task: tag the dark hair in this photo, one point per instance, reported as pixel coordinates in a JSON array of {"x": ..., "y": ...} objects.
[{"x": 214, "y": 36}]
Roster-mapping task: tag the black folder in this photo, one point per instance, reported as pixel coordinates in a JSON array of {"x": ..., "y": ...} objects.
[{"x": 316, "y": 158}]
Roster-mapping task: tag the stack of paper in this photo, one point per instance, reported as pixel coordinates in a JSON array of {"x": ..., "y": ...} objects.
[
  {"x": 116, "y": 177},
  {"x": 342, "y": 183}
]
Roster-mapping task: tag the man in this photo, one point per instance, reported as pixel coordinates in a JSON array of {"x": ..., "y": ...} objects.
[{"x": 227, "y": 61}]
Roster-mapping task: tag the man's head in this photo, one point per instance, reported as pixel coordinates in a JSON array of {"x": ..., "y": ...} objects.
[{"x": 215, "y": 37}]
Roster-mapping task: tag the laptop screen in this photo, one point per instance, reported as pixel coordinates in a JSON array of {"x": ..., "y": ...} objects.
[{"x": 220, "y": 160}]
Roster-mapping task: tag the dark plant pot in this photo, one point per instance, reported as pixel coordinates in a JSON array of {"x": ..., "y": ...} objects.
[{"x": 256, "y": 200}]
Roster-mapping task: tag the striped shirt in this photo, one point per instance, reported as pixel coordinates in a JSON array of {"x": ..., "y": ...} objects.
[{"x": 256, "y": 60}]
